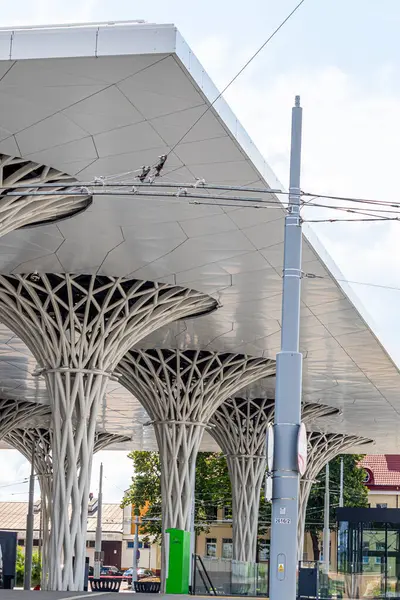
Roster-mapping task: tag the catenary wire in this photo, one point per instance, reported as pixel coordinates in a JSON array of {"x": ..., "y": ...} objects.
[{"x": 273, "y": 34}]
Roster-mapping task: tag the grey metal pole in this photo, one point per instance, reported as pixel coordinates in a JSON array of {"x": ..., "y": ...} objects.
[
  {"x": 326, "y": 537},
  {"x": 97, "y": 546},
  {"x": 29, "y": 527},
  {"x": 135, "y": 552},
  {"x": 341, "y": 502},
  {"x": 283, "y": 566},
  {"x": 192, "y": 536}
]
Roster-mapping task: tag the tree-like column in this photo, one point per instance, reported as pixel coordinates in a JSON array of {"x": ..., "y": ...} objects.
[
  {"x": 322, "y": 448},
  {"x": 25, "y": 201},
  {"x": 180, "y": 391},
  {"x": 14, "y": 413},
  {"x": 239, "y": 426},
  {"x": 79, "y": 327},
  {"x": 36, "y": 443}
]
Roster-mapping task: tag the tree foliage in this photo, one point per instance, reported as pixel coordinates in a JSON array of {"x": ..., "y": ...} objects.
[
  {"x": 20, "y": 568},
  {"x": 355, "y": 494},
  {"x": 212, "y": 489}
]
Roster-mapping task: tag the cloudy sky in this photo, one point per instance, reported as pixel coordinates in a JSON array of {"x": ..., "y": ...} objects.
[{"x": 343, "y": 57}]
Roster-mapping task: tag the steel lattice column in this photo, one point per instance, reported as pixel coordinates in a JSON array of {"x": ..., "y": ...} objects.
[
  {"x": 240, "y": 428},
  {"x": 79, "y": 327},
  {"x": 37, "y": 442},
  {"x": 322, "y": 448},
  {"x": 180, "y": 391}
]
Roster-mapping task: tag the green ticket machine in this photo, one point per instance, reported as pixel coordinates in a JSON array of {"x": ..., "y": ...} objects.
[{"x": 178, "y": 561}]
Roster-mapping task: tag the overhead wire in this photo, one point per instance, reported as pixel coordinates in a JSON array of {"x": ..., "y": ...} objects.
[{"x": 273, "y": 34}]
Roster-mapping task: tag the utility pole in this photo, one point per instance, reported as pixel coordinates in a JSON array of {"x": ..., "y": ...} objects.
[
  {"x": 192, "y": 537},
  {"x": 97, "y": 547},
  {"x": 29, "y": 527},
  {"x": 327, "y": 535},
  {"x": 341, "y": 503},
  {"x": 288, "y": 392},
  {"x": 135, "y": 562}
]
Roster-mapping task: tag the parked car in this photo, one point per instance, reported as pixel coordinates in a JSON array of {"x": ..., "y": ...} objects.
[
  {"x": 141, "y": 574},
  {"x": 110, "y": 571}
]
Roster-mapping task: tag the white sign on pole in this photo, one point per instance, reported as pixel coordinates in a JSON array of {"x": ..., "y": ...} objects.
[
  {"x": 302, "y": 449},
  {"x": 268, "y": 488},
  {"x": 270, "y": 448}
]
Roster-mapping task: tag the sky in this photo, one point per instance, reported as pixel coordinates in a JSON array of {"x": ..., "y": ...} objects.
[{"x": 343, "y": 58}]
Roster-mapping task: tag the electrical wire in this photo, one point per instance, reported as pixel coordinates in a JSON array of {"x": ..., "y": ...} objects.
[
  {"x": 375, "y": 285},
  {"x": 273, "y": 34},
  {"x": 371, "y": 219}
]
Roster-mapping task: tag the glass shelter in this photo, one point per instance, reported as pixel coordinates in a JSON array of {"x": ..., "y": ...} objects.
[{"x": 369, "y": 552}]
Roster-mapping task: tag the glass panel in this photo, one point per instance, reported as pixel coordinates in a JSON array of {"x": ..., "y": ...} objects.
[
  {"x": 230, "y": 577},
  {"x": 393, "y": 561},
  {"x": 227, "y": 548},
  {"x": 368, "y": 560},
  {"x": 373, "y": 568},
  {"x": 211, "y": 547}
]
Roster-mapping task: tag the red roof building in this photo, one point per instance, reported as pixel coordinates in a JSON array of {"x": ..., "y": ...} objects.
[{"x": 382, "y": 472}]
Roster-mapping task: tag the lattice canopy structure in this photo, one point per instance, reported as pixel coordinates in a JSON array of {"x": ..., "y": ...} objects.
[
  {"x": 322, "y": 448},
  {"x": 29, "y": 207},
  {"x": 78, "y": 327},
  {"x": 239, "y": 426},
  {"x": 36, "y": 443},
  {"x": 14, "y": 413},
  {"x": 180, "y": 391}
]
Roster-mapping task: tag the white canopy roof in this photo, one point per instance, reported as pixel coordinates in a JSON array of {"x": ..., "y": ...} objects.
[{"x": 103, "y": 100}]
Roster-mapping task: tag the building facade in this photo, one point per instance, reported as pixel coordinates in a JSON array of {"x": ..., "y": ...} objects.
[{"x": 117, "y": 534}]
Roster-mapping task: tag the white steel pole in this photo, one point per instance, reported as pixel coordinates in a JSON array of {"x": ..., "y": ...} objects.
[
  {"x": 97, "y": 548},
  {"x": 326, "y": 540},
  {"x": 341, "y": 502},
  {"x": 135, "y": 553},
  {"x": 283, "y": 566},
  {"x": 29, "y": 527}
]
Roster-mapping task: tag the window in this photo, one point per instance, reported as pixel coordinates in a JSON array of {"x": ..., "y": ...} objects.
[
  {"x": 144, "y": 545},
  {"x": 263, "y": 550},
  {"x": 36, "y": 542},
  {"x": 367, "y": 476},
  {"x": 227, "y": 513},
  {"x": 382, "y": 505},
  {"x": 211, "y": 547},
  {"x": 21, "y": 542},
  {"x": 227, "y": 548},
  {"x": 90, "y": 544},
  {"x": 212, "y": 512}
]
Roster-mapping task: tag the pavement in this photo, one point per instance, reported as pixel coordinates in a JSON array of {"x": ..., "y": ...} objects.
[
  {"x": 33, "y": 595},
  {"x": 39, "y": 595}
]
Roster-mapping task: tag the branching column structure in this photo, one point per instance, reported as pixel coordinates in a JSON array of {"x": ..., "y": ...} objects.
[
  {"x": 79, "y": 327},
  {"x": 180, "y": 391},
  {"x": 14, "y": 413},
  {"x": 322, "y": 448},
  {"x": 240, "y": 428},
  {"x": 37, "y": 442},
  {"x": 23, "y": 199}
]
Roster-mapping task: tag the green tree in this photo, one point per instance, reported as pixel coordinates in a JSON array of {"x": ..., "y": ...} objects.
[
  {"x": 355, "y": 494},
  {"x": 20, "y": 568},
  {"x": 212, "y": 489}
]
